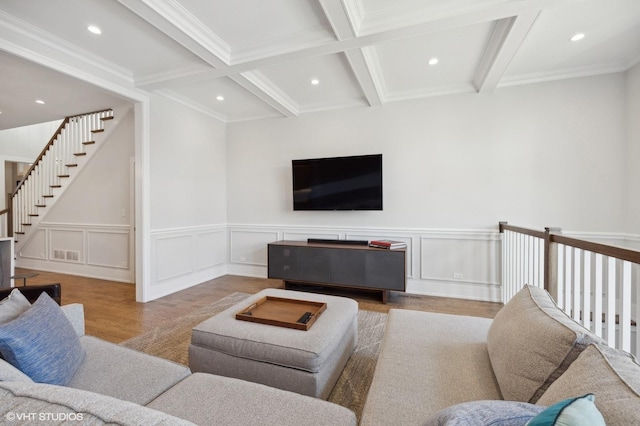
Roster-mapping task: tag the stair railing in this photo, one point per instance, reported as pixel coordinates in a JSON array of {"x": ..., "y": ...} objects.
[
  {"x": 52, "y": 166},
  {"x": 596, "y": 284}
]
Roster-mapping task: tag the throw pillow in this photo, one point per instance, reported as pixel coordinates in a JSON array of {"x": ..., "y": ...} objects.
[
  {"x": 612, "y": 375},
  {"x": 484, "y": 413},
  {"x": 531, "y": 342},
  {"x": 42, "y": 343},
  {"x": 579, "y": 411},
  {"x": 12, "y": 306}
]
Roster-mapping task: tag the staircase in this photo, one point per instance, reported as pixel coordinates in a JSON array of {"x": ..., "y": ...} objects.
[{"x": 59, "y": 162}]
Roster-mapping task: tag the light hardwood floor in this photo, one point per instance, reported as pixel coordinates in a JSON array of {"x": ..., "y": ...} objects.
[{"x": 112, "y": 313}]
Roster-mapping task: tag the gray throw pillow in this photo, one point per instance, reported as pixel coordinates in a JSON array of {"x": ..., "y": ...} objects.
[
  {"x": 531, "y": 342},
  {"x": 42, "y": 343},
  {"x": 12, "y": 306},
  {"x": 612, "y": 375}
]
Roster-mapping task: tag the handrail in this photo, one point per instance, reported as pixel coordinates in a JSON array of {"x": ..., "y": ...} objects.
[
  {"x": 604, "y": 249},
  {"x": 504, "y": 226}
]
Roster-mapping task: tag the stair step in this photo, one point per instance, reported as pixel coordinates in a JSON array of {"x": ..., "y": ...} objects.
[
  {"x": 80, "y": 154},
  {"x": 63, "y": 176},
  {"x": 33, "y": 215},
  {"x": 26, "y": 224},
  {"x": 47, "y": 196},
  {"x": 107, "y": 118},
  {"x": 97, "y": 131},
  {"x": 55, "y": 186},
  {"x": 88, "y": 143},
  {"x": 71, "y": 165},
  {"x": 41, "y": 205},
  {"x": 19, "y": 232}
]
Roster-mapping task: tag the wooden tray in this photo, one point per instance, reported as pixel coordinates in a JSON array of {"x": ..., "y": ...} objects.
[{"x": 283, "y": 312}]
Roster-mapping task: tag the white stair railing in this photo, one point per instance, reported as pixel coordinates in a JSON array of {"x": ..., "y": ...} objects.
[
  {"x": 598, "y": 285},
  {"x": 53, "y": 166}
]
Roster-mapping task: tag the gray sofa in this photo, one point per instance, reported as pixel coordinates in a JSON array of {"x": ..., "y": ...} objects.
[
  {"x": 438, "y": 369},
  {"x": 116, "y": 385}
]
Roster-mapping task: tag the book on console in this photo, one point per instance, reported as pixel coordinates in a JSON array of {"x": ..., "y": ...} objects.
[{"x": 387, "y": 244}]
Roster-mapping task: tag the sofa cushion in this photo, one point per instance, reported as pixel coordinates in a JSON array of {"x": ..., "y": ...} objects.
[
  {"x": 123, "y": 373},
  {"x": 42, "y": 343},
  {"x": 531, "y": 342},
  {"x": 12, "y": 306},
  {"x": 428, "y": 361},
  {"x": 580, "y": 411},
  {"x": 233, "y": 401},
  {"x": 616, "y": 385},
  {"x": 37, "y": 403},
  {"x": 487, "y": 412}
]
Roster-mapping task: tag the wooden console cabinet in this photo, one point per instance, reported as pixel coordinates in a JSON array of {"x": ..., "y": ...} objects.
[{"x": 340, "y": 265}]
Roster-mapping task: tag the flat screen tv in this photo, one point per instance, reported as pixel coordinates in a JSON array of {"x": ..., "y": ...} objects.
[{"x": 338, "y": 183}]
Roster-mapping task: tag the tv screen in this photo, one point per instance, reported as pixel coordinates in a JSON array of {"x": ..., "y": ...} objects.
[{"x": 338, "y": 183}]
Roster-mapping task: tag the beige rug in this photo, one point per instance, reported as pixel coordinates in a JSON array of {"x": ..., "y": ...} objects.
[{"x": 171, "y": 341}]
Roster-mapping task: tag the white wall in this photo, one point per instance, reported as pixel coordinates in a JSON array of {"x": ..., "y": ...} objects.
[
  {"x": 188, "y": 197},
  {"x": 23, "y": 144},
  {"x": 633, "y": 116},
  {"x": 550, "y": 154},
  {"x": 93, "y": 216}
]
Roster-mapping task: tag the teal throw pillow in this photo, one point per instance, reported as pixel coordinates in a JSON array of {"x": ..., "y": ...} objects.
[
  {"x": 579, "y": 411},
  {"x": 42, "y": 343}
]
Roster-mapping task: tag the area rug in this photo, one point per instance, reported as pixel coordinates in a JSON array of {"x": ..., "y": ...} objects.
[{"x": 171, "y": 341}]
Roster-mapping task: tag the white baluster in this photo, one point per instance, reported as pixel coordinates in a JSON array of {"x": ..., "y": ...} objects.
[
  {"x": 625, "y": 316},
  {"x": 611, "y": 302}
]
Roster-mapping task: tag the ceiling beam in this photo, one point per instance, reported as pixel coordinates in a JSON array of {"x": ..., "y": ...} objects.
[
  {"x": 263, "y": 88},
  {"x": 504, "y": 42},
  {"x": 473, "y": 16},
  {"x": 343, "y": 27}
]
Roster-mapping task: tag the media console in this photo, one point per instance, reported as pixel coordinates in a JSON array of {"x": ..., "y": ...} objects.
[{"x": 338, "y": 265}]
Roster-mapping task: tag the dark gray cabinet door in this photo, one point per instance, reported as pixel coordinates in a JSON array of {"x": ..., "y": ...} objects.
[
  {"x": 385, "y": 269},
  {"x": 283, "y": 262},
  {"x": 348, "y": 267},
  {"x": 314, "y": 264}
]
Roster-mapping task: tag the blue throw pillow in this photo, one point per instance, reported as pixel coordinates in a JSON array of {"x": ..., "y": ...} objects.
[
  {"x": 579, "y": 411},
  {"x": 42, "y": 343}
]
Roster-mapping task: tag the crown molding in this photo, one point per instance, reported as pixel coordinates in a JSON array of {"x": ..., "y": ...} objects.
[
  {"x": 263, "y": 88},
  {"x": 30, "y": 42},
  {"x": 189, "y": 103},
  {"x": 544, "y": 76}
]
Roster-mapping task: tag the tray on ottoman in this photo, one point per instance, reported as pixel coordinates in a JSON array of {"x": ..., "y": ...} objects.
[{"x": 283, "y": 312}]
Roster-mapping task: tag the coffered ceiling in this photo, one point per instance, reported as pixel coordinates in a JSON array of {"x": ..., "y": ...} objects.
[{"x": 239, "y": 60}]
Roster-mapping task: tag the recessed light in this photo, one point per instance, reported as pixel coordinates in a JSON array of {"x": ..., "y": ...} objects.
[
  {"x": 40, "y": 101},
  {"x": 315, "y": 81},
  {"x": 220, "y": 98},
  {"x": 433, "y": 61},
  {"x": 577, "y": 36},
  {"x": 94, "y": 29}
]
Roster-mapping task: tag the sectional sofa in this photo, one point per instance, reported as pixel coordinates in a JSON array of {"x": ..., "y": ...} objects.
[
  {"x": 438, "y": 369},
  {"x": 85, "y": 380}
]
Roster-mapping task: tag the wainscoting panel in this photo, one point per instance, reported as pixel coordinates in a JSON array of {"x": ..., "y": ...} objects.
[
  {"x": 64, "y": 243},
  {"x": 211, "y": 249},
  {"x": 174, "y": 256},
  {"x": 250, "y": 247},
  {"x": 91, "y": 250},
  {"x": 36, "y": 247},
  {"x": 110, "y": 249},
  {"x": 184, "y": 257}
]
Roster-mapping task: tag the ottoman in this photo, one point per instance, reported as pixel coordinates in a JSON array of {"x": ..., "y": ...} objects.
[{"x": 307, "y": 362}]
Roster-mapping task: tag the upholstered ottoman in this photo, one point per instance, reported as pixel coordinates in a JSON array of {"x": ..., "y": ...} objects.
[{"x": 307, "y": 362}]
